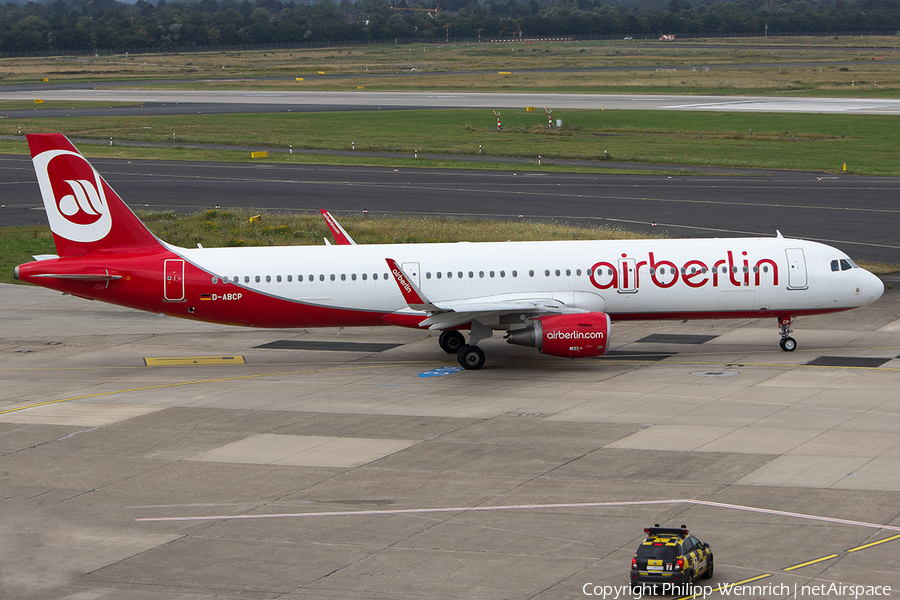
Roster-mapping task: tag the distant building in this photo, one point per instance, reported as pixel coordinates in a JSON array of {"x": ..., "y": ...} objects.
[{"x": 358, "y": 18}]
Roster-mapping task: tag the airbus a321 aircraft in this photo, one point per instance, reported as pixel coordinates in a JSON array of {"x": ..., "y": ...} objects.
[{"x": 558, "y": 297}]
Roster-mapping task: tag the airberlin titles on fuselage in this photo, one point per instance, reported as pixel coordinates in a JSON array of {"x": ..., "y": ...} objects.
[{"x": 694, "y": 273}]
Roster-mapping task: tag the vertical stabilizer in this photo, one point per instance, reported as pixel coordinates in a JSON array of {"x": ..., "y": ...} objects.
[{"x": 85, "y": 214}]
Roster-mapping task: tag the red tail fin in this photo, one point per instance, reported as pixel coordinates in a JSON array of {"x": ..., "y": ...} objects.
[{"x": 85, "y": 214}]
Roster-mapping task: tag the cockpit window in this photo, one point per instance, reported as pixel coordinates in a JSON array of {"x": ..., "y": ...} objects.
[{"x": 843, "y": 264}]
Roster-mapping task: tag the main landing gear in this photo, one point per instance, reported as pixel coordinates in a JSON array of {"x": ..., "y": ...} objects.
[
  {"x": 788, "y": 344},
  {"x": 470, "y": 356},
  {"x": 451, "y": 341}
]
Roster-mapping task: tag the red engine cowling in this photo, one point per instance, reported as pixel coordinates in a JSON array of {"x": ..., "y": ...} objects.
[{"x": 569, "y": 336}]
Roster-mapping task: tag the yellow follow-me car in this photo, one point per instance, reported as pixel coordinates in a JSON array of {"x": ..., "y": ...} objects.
[{"x": 672, "y": 558}]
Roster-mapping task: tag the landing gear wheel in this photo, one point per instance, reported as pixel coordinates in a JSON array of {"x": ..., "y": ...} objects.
[
  {"x": 709, "y": 568},
  {"x": 470, "y": 357},
  {"x": 788, "y": 344},
  {"x": 451, "y": 341}
]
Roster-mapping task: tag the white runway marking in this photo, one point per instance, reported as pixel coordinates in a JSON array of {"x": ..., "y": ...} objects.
[{"x": 412, "y": 511}]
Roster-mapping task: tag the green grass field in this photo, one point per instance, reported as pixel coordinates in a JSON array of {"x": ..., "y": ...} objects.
[{"x": 867, "y": 144}]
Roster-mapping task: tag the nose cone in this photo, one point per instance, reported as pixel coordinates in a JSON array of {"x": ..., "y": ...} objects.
[{"x": 873, "y": 288}]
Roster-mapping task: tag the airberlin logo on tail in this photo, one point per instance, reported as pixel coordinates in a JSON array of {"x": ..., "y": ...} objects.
[
  {"x": 83, "y": 205},
  {"x": 73, "y": 196}
]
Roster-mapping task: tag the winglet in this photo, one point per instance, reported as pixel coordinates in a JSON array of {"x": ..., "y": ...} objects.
[
  {"x": 414, "y": 297},
  {"x": 341, "y": 237}
]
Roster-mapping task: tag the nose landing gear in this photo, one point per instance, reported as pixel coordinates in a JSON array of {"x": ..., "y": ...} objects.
[{"x": 788, "y": 344}]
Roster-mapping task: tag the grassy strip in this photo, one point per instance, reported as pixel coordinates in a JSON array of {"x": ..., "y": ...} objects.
[
  {"x": 232, "y": 228},
  {"x": 868, "y": 144},
  {"x": 401, "y": 161},
  {"x": 811, "y": 79},
  {"x": 418, "y": 58},
  {"x": 6, "y": 105}
]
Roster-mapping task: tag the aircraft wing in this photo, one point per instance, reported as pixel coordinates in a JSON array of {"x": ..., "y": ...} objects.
[{"x": 452, "y": 313}]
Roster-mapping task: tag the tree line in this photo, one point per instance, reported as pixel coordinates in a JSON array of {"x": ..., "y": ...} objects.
[{"x": 70, "y": 25}]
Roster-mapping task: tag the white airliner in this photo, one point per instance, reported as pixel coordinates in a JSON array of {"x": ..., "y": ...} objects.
[{"x": 559, "y": 297}]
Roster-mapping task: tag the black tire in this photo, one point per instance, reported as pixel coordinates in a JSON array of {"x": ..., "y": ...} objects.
[
  {"x": 788, "y": 344},
  {"x": 451, "y": 341},
  {"x": 470, "y": 357},
  {"x": 710, "y": 567}
]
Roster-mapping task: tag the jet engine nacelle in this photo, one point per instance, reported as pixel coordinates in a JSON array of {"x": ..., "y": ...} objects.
[{"x": 569, "y": 336}]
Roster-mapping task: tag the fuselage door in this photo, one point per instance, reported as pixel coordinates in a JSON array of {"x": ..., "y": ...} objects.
[
  {"x": 627, "y": 276},
  {"x": 173, "y": 285},
  {"x": 412, "y": 271},
  {"x": 796, "y": 269}
]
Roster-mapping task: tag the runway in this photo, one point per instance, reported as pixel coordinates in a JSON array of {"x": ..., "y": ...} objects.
[
  {"x": 856, "y": 214},
  {"x": 358, "y": 473},
  {"x": 362, "y": 100}
]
